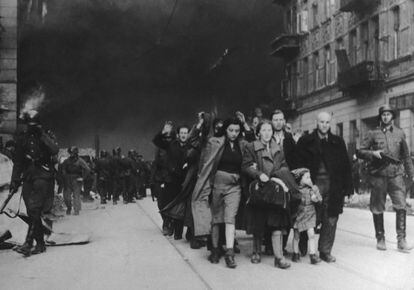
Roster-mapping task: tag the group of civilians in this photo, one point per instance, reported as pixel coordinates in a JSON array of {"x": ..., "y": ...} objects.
[{"x": 204, "y": 178}]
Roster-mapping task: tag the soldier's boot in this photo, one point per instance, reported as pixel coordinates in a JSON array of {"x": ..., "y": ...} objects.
[
  {"x": 401, "y": 231},
  {"x": 379, "y": 231},
  {"x": 26, "y": 248},
  {"x": 68, "y": 210},
  {"x": 40, "y": 247},
  {"x": 229, "y": 258}
]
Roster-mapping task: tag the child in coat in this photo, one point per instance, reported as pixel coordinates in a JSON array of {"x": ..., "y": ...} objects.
[{"x": 306, "y": 216}]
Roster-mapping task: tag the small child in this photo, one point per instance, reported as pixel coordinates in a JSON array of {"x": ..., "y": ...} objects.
[{"x": 306, "y": 216}]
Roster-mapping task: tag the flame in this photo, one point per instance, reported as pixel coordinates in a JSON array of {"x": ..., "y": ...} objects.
[{"x": 33, "y": 103}]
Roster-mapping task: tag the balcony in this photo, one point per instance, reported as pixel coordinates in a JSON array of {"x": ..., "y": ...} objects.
[
  {"x": 365, "y": 75},
  {"x": 286, "y": 46},
  {"x": 356, "y": 5}
]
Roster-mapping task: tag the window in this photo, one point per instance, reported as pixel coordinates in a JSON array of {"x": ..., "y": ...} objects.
[
  {"x": 303, "y": 21},
  {"x": 315, "y": 15},
  {"x": 340, "y": 130},
  {"x": 305, "y": 69},
  {"x": 375, "y": 35},
  {"x": 315, "y": 70},
  {"x": 353, "y": 46},
  {"x": 396, "y": 32},
  {"x": 327, "y": 65},
  {"x": 364, "y": 41}
]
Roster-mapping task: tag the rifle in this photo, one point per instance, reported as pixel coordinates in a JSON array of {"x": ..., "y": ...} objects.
[
  {"x": 389, "y": 159},
  {"x": 380, "y": 164},
  {"x": 46, "y": 224},
  {"x": 6, "y": 201}
]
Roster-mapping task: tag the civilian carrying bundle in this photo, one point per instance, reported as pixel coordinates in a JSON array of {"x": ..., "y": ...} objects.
[{"x": 268, "y": 195}]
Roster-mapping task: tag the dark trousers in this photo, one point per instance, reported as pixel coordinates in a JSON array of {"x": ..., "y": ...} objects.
[
  {"x": 104, "y": 188},
  {"x": 328, "y": 228},
  {"x": 36, "y": 195},
  {"x": 128, "y": 188}
]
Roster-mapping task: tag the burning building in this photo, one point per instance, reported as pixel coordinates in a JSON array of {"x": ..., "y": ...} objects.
[{"x": 348, "y": 57}]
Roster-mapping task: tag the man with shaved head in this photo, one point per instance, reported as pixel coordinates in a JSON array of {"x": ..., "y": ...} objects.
[{"x": 325, "y": 155}]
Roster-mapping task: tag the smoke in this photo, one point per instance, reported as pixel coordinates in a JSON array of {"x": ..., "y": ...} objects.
[
  {"x": 33, "y": 102},
  {"x": 115, "y": 68}
]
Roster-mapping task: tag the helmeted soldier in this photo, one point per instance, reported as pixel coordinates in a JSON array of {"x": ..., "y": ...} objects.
[
  {"x": 387, "y": 151},
  {"x": 117, "y": 179},
  {"x": 104, "y": 172},
  {"x": 74, "y": 169},
  {"x": 33, "y": 166},
  {"x": 128, "y": 171}
]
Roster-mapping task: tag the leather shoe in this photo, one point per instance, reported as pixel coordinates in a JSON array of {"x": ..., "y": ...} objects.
[
  {"x": 295, "y": 257},
  {"x": 281, "y": 263},
  {"x": 39, "y": 248},
  {"x": 314, "y": 259},
  {"x": 229, "y": 258},
  {"x": 214, "y": 257},
  {"x": 328, "y": 258},
  {"x": 256, "y": 258}
]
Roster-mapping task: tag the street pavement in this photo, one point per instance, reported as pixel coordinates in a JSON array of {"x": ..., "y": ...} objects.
[{"x": 127, "y": 251}]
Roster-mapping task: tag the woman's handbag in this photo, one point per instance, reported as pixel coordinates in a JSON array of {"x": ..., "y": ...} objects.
[{"x": 268, "y": 195}]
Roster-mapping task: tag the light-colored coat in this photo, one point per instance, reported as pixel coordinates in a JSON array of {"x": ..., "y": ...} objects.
[{"x": 210, "y": 158}]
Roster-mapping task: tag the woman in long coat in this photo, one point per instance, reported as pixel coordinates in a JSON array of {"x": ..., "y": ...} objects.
[
  {"x": 264, "y": 160},
  {"x": 217, "y": 192}
]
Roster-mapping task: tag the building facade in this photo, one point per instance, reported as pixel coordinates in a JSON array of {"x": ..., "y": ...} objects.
[
  {"x": 348, "y": 57},
  {"x": 8, "y": 64}
]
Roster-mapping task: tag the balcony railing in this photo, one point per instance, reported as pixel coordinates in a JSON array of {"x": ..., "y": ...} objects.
[
  {"x": 365, "y": 75},
  {"x": 286, "y": 46},
  {"x": 356, "y": 5}
]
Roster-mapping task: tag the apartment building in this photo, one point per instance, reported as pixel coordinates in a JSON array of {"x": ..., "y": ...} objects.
[{"x": 348, "y": 57}]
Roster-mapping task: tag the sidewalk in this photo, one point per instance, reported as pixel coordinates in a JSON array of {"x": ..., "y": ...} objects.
[
  {"x": 359, "y": 265},
  {"x": 128, "y": 251}
]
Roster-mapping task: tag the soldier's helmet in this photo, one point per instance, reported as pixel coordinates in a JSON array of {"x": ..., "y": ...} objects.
[
  {"x": 73, "y": 150},
  {"x": 386, "y": 108},
  {"x": 103, "y": 153},
  {"x": 31, "y": 117}
]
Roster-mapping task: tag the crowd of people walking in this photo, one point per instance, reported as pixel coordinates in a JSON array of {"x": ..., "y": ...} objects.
[{"x": 221, "y": 175}]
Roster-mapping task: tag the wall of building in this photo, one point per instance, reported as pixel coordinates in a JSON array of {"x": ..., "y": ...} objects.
[
  {"x": 8, "y": 63},
  {"x": 383, "y": 33}
]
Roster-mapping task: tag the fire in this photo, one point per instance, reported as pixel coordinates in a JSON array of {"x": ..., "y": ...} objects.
[{"x": 34, "y": 102}]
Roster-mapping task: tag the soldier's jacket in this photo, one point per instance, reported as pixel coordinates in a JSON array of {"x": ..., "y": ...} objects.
[
  {"x": 75, "y": 167},
  {"x": 391, "y": 142},
  {"x": 127, "y": 166},
  {"x": 34, "y": 156},
  {"x": 103, "y": 167}
]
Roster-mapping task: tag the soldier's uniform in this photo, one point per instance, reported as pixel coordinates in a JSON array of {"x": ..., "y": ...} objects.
[
  {"x": 104, "y": 172},
  {"x": 127, "y": 165},
  {"x": 74, "y": 170},
  {"x": 386, "y": 175},
  {"x": 33, "y": 165},
  {"x": 117, "y": 178}
]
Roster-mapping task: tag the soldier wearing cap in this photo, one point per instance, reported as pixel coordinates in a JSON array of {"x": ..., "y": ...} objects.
[
  {"x": 74, "y": 169},
  {"x": 389, "y": 156},
  {"x": 33, "y": 167}
]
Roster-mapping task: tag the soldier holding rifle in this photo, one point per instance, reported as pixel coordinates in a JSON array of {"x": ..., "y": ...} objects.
[{"x": 389, "y": 156}]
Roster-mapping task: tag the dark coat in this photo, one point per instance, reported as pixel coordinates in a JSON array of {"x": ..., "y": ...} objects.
[
  {"x": 256, "y": 161},
  {"x": 337, "y": 163},
  {"x": 176, "y": 156},
  {"x": 289, "y": 149}
]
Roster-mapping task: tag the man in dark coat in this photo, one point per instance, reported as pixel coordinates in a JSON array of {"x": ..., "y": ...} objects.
[
  {"x": 176, "y": 149},
  {"x": 104, "y": 174},
  {"x": 33, "y": 166},
  {"x": 128, "y": 173},
  {"x": 321, "y": 152},
  {"x": 387, "y": 151},
  {"x": 285, "y": 140},
  {"x": 117, "y": 179},
  {"x": 159, "y": 173}
]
